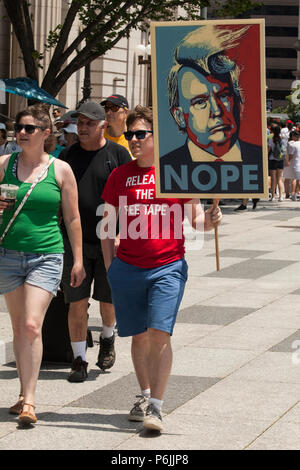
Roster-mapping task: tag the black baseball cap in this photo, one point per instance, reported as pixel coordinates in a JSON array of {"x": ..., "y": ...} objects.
[
  {"x": 91, "y": 110},
  {"x": 119, "y": 100}
]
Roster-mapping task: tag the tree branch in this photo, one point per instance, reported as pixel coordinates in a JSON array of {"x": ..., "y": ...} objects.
[
  {"x": 104, "y": 23},
  {"x": 19, "y": 16},
  {"x": 55, "y": 63},
  {"x": 85, "y": 33},
  {"x": 86, "y": 56}
]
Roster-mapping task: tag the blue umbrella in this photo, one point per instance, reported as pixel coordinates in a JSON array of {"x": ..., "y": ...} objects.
[{"x": 29, "y": 89}]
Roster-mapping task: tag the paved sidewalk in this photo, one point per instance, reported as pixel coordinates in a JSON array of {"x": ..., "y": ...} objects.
[{"x": 235, "y": 380}]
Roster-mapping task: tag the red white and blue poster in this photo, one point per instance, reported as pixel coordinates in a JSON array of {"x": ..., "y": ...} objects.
[{"x": 209, "y": 103}]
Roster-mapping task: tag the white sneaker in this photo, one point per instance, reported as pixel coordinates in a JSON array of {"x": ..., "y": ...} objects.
[
  {"x": 153, "y": 419},
  {"x": 294, "y": 197},
  {"x": 138, "y": 411},
  {"x": 280, "y": 199}
]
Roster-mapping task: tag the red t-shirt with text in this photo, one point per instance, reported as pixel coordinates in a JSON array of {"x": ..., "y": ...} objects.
[{"x": 151, "y": 228}]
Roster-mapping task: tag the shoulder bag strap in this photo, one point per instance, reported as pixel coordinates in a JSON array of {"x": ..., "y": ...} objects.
[{"x": 25, "y": 198}]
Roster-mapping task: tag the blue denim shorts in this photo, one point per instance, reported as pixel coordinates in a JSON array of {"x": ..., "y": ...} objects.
[
  {"x": 146, "y": 298},
  {"x": 38, "y": 269}
]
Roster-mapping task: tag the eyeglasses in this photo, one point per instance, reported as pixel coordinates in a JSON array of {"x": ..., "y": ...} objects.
[
  {"x": 139, "y": 134},
  {"x": 29, "y": 128},
  {"x": 112, "y": 107}
]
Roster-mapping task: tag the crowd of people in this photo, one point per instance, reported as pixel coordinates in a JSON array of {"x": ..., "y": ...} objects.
[
  {"x": 283, "y": 163},
  {"x": 102, "y": 156},
  {"x": 51, "y": 239}
]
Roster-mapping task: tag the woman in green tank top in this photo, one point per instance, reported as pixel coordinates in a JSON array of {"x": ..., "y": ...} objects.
[{"x": 31, "y": 254}]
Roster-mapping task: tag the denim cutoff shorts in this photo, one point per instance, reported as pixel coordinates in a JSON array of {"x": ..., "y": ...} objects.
[
  {"x": 146, "y": 298},
  {"x": 37, "y": 269}
]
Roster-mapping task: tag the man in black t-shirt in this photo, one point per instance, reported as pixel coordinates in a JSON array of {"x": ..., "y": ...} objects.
[{"x": 92, "y": 160}]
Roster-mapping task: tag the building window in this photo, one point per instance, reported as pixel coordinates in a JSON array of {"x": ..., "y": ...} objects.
[
  {"x": 278, "y": 94},
  {"x": 281, "y": 74},
  {"x": 281, "y": 31},
  {"x": 281, "y": 52},
  {"x": 285, "y": 10}
]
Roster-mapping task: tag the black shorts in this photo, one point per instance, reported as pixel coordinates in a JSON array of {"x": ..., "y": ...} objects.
[
  {"x": 276, "y": 164},
  {"x": 95, "y": 272}
]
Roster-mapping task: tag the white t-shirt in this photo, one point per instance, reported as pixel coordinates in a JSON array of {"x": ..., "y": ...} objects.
[
  {"x": 285, "y": 135},
  {"x": 294, "y": 150}
]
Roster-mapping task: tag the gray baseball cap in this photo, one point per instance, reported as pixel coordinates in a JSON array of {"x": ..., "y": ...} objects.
[{"x": 91, "y": 110}]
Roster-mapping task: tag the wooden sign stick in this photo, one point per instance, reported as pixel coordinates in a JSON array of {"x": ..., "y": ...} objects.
[{"x": 215, "y": 204}]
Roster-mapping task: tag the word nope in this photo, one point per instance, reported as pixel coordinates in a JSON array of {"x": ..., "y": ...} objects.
[{"x": 205, "y": 178}]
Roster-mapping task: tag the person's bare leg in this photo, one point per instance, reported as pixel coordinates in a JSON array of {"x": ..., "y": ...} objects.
[
  {"x": 279, "y": 175},
  {"x": 160, "y": 362},
  {"x": 15, "y": 305},
  {"x": 293, "y": 187},
  {"x": 37, "y": 301},
  {"x": 140, "y": 357},
  {"x": 78, "y": 323},
  {"x": 28, "y": 333},
  {"x": 273, "y": 183},
  {"x": 287, "y": 187},
  {"x": 107, "y": 313},
  {"x": 78, "y": 320},
  {"x": 152, "y": 359}
]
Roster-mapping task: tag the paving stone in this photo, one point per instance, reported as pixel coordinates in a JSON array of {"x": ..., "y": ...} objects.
[
  {"x": 235, "y": 380},
  {"x": 212, "y": 315},
  {"x": 279, "y": 215},
  {"x": 251, "y": 269},
  {"x": 121, "y": 393},
  {"x": 280, "y": 436},
  {"x": 241, "y": 253},
  {"x": 296, "y": 292},
  {"x": 289, "y": 344},
  {"x": 199, "y": 433}
]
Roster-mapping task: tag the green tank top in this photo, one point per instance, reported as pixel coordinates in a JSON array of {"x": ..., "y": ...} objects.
[{"x": 36, "y": 228}]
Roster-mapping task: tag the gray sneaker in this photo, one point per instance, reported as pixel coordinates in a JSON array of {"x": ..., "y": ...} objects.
[
  {"x": 138, "y": 411},
  {"x": 153, "y": 419}
]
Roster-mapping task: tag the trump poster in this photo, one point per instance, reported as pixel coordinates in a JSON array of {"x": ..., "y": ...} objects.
[{"x": 208, "y": 83}]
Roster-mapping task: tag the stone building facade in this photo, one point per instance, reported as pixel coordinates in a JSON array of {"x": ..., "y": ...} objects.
[{"x": 115, "y": 72}]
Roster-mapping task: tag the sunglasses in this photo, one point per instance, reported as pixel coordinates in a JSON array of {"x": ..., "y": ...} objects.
[
  {"x": 139, "y": 134},
  {"x": 29, "y": 128},
  {"x": 112, "y": 107}
]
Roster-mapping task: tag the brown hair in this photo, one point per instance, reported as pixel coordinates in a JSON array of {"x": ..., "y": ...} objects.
[
  {"x": 140, "y": 112},
  {"x": 40, "y": 113},
  {"x": 276, "y": 134},
  {"x": 3, "y": 133}
]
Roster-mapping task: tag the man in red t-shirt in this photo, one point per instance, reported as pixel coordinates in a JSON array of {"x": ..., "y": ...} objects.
[{"x": 148, "y": 274}]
